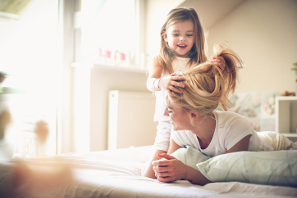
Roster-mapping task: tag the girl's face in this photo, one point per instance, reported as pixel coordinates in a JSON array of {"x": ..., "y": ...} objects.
[
  {"x": 179, "y": 119},
  {"x": 180, "y": 37}
]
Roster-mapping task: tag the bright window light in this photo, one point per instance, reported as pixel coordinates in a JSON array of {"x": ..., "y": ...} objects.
[{"x": 108, "y": 24}]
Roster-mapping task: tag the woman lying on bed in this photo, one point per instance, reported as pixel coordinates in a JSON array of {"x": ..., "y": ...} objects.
[{"x": 196, "y": 122}]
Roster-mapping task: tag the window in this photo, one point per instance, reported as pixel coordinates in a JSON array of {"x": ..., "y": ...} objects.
[
  {"x": 109, "y": 27},
  {"x": 28, "y": 49}
]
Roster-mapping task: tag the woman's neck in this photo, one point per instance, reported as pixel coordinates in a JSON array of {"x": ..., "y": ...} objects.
[{"x": 204, "y": 128}]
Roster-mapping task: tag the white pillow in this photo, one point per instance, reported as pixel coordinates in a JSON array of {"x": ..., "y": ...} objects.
[
  {"x": 190, "y": 156},
  {"x": 262, "y": 167}
]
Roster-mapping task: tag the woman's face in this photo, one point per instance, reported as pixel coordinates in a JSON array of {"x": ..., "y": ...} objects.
[
  {"x": 179, "y": 119},
  {"x": 180, "y": 37}
]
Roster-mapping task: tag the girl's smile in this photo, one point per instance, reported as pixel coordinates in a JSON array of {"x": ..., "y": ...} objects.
[{"x": 180, "y": 37}]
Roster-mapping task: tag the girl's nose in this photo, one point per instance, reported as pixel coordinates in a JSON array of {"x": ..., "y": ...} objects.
[{"x": 182, "y": 38}]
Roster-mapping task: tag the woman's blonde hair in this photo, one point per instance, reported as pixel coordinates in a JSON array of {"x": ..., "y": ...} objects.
[
  {"x": 197, "y": 53},
  {"x": 206, "y": 86}
]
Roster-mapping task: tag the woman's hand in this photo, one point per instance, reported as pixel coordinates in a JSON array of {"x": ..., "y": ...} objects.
[
  {"x": 170, "y": 82},
  {"x": 169, "y": 169},
  {"x": 220, "y": 62}
]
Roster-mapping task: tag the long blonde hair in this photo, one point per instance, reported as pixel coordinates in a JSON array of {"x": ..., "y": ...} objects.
[
  {"x": 206, "y": 86},
  {"x": 197, "y": 53}
]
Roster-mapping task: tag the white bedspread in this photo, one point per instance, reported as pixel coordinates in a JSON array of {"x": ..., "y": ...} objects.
[{"x": 116, "y": 173}]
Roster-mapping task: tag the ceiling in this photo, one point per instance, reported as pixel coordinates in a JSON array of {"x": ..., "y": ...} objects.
[{"x": 212, "y": 11}]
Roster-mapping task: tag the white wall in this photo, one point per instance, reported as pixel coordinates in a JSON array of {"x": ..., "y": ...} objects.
[
  {"x": 102, "y": 81},
  {"x": 264, "y": 34}
]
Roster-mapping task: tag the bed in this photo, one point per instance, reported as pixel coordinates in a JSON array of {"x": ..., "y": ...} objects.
[{"x": 116, "y": 173}]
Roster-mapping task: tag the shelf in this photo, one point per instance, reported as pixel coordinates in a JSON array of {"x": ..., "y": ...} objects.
[
  {"x": 119, "y": 68},
  {"x": 10, "y": 90},
  {"x": 289, "y": 134},
  {"x": 286, "y": 115},
  {"x": 286, "y": 98},
  {"x": 108, "y": 67}
]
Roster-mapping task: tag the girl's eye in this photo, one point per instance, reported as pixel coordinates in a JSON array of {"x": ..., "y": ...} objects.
[
  {"x": 169, "y": 111},
  {"x": 189, "y": 35},
  {"x": 175, "y": 34}
]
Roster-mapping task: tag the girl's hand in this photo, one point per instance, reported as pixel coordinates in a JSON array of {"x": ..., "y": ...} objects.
[
  {"x": 219, "y": 61},
  {"x": 169, "y": 169},
  {"x": 170, "y": 82}
]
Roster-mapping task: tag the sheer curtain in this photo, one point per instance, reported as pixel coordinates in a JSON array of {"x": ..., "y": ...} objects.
[{"x": 28, "y": 49}]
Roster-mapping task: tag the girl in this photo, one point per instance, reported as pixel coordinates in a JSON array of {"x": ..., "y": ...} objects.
[
  {"x": 202, "y": 127},
  {"x": 182, "y": 45}
]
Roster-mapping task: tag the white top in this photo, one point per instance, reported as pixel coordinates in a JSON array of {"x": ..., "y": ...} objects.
[
  {"x": 177, "y": 63},
  {"x": 230, "y": 129}
]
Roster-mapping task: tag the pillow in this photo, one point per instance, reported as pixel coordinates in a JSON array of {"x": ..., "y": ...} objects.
[
  {"x": 262, "y": 167},
  {"x": 190, "y": 156}
]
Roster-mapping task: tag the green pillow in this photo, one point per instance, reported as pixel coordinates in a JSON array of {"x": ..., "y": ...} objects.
[
  {"x": 262, "y": 167},
  {"x": 190, "y": 156}
]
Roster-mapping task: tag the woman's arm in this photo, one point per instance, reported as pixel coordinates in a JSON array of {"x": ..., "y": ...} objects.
[
  {"x": 147, "y": 170},
  {"x": 171, "y": 169},
  {"x": 242, "y": 145},
  {"x": 173, "y": 146}
]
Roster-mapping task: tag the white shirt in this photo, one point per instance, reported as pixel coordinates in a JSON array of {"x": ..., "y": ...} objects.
[
  {"x": 177, "y": 63},
  {"x": 230, "y": 129}
]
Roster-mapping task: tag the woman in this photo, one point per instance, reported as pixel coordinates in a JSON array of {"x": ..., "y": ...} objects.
[{"x": 196, "y": 122}]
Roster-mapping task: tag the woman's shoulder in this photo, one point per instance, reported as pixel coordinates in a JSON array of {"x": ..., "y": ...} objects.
[
  {"x": 229, "y": 117},
  {"x": 227, "y": 114}
]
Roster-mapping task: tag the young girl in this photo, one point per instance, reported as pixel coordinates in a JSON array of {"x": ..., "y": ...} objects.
[
  {"x": 196, "y": 122},
  {"x": 182, "y": 45}
]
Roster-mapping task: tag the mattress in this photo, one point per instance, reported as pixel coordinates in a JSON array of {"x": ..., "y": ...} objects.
[{"x": 116, "y": 173}]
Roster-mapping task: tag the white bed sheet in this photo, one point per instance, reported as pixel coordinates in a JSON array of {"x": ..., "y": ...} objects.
[{"x": 116, "y": 173}]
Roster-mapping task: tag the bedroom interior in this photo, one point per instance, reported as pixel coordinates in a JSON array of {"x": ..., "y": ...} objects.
[{"x": 56, "y": 74}]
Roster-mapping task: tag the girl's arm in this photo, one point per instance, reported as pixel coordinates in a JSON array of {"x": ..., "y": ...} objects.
[
  {"x": 155, "y": 74},
  {"x": 156, "y": 83},
  {"x": 219, "y": 61}
]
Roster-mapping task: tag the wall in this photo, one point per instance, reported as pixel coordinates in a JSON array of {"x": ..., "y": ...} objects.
[
  {"x": 263, "y": 33},
  {"x": 103, "y": 80}
]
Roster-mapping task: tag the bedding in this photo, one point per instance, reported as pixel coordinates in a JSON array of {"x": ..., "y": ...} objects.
[
  {"x": 269, "y": 167},
  {"x": 116, "y": 173}
]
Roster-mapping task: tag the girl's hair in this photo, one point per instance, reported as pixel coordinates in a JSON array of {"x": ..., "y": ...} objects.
[
  {"x": 206, "y": 86},
  {"x": 197, "y": 53}
]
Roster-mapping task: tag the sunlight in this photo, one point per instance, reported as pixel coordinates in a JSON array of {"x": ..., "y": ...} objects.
[{"x": 30, "y": 59}]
